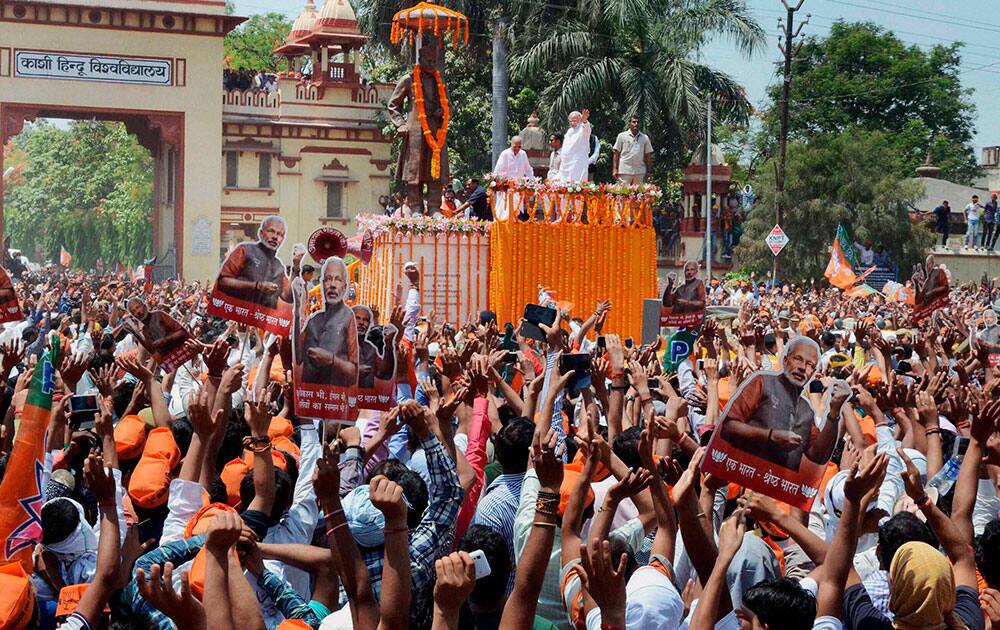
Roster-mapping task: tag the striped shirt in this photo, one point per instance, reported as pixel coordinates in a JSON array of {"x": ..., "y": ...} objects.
[{"x": 497, "y": 509}]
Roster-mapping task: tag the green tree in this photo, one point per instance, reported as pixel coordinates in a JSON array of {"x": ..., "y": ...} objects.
[
  {"x": 863, "y": 76},
  {"x": 250, "y": 45},
  {"x": 848, "y": 178},
  {"x": 640, "y": 57},
  {"x": 88, "y": 188}
]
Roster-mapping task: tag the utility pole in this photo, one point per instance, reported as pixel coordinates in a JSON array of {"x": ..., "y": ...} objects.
[
  {"x": 789, "y": 50},
  {"x": 708, "y": 192}
]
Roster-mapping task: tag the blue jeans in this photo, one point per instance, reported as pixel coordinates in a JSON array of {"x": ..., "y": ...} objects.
[{"x": 972, "y": 234}]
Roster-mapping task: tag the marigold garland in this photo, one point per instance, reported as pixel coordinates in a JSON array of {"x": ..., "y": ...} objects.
[{"x": 436, "y": 143}]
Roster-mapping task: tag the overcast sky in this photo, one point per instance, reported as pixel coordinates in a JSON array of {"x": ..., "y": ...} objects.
[{"x": 918, "y": 22}]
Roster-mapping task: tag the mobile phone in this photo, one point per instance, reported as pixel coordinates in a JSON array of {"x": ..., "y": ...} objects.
[
  {"x": 580, "y": 365},
  {"x": 602, "y": 342},
  {"x": 509, "y": 357},
  {"x": 82, "y": 409},
  {"x": 628, "y": 342},
  {"x": 533, "y": 316},
  {"x": 482, "y": 564},
  {"x": 701, "y": 364}
]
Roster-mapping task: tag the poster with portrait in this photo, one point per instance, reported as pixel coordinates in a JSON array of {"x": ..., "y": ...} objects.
[
  {"x": 989, "y": 337},
  {"x": 931, "y": 289},
  {"x": 771, "y": 439},
  {"x": 683, "y": 302},
  {"x": 252, "y": 286},
  {"x": 10, "y": 308},
  {"x": 163, "y": 337},
  {"x": 342, "y": 361}
]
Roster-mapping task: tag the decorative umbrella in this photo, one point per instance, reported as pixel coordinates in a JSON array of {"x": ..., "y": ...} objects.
[{"x": 429, "y": 17}]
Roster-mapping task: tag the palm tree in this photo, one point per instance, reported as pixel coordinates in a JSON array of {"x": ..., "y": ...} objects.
[{"x": 639, "y": 57}]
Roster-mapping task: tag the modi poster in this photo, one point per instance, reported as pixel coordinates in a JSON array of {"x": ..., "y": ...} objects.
[
  {"x": 684, "y": 304},
  {"x": 10, "y": 308},
  {"x": 771, "y": 439},
  {"x": 989, "y": 337},
  {"x": 342, "y": 361},
  {"x": 931, "y": 284},
  {"x": 163, "y": 337},
  {"x": 252, "y": 286}
]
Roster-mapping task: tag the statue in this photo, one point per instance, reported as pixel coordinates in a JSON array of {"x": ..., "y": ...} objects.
[{"x": 423, "y": 157}]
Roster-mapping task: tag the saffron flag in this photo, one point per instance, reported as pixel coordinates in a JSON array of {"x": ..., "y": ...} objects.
[
  {"x": 65, "y": 258},
  {"x": 21, "y": 491},
  {"x": 847, "y": 245},
  {"x": 839, "y": 271}
]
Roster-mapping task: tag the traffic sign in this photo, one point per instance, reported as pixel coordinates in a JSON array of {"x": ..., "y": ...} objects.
[{"x": 776, "y": 240}]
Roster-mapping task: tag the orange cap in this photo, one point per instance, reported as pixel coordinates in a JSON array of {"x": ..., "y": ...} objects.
[
  {"x": 198, "y": 524},
  {"x": 285, "y": 444},
  {"x": 232, "y": 474},
  {"x": 571, "y": 472},
  {"x": 17, "y": 600},
  {"x": 292, "y": 624},
  {"x": 149, "y": 486},
  {"x": 196, "y": 574},
  {"x": 280, "y": 427},
  {"x": 130, "y": 437},
  {"x": 277, "y": 458},
  {"x": 867, "y": 424},
  {"x": 160, "y": 444}
]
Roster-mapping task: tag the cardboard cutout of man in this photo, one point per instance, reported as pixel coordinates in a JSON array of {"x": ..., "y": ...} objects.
[
  {"x": 159, "y": 333},
  {"x": 254, "y": 273},
  {"x": 771, "y": 417},
  {"x": 372, "y": 363},
  {"x": 327, "y": 347}
]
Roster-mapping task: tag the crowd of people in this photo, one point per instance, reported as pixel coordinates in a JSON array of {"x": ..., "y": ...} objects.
[
  {"x": 981, "y": 232},
  {"x": 502, "y": 490}
]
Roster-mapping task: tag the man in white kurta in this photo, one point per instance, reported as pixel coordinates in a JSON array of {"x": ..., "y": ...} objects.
[
  {"x": 511, "y": 165},
  {"x": 576, "y": 148},
  {"x": 513, "y": 162}
]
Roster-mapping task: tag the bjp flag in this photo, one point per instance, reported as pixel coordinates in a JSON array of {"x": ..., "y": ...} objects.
[
  {"x": 65, "y": 258},
  {"x": 21, "y": 490},
  {"x": 838, "y": 270}
]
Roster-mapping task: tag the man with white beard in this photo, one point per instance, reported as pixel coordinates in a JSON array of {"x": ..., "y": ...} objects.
[{"x": 575, "y": 154}]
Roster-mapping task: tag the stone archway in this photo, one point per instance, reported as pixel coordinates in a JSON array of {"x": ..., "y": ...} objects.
[{"x": 161, "y": 133}]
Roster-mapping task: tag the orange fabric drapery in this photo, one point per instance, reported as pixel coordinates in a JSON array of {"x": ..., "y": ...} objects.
[{"x": 610, "y": 256}]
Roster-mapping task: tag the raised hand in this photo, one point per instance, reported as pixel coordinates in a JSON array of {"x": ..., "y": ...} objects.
[
  {"x": 548, "y": 463},
  {"x": 731, "y": 535},
  {"x": 258, "y": 414},
  {"x": 387, "y": 497},
  {"x": 631, "y": 484},
  {"x": 99, "y": 479},
  {"x": 603, "y": 578},
  {"x": 182, "y": 608},
  {"x": 456, "y": 577},
  {"x": 200, "y": 414}
]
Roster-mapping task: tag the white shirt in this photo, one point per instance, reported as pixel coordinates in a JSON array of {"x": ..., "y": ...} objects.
[
  {"x": 972, "y": 212},
  {"x": 513, "y": 166},
  {"x": 555, "y": 159},
  {"x": 575, "y": 154}
]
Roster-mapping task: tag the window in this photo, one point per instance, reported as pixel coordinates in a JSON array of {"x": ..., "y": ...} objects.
[
  {"x": 232, "y": 169},
  {"x": 264, "y": 173},
  {"x": 334, "y": 200}
]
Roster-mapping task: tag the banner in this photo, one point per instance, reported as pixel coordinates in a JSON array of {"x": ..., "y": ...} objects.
[
  {"x": 21, "y": 491},
  {"x": 10, "y": 308},
  {"x": 989, "y": 337},
  {"x": 770, "y": 439},
  {"x": 931, "y": 289},
  {"x": 252, "y": 286},
  {"x": 163, "y": 337},
  {"x": 896, "y": 292},
  {"x": 342, "y": 362},
  {"x": 684, "y": 305}
]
